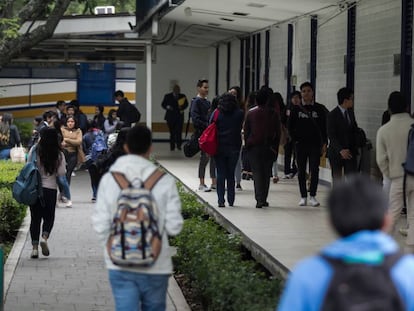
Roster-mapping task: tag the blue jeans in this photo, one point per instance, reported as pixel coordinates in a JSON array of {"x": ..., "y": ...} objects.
[
  {"x": 63, "y": 186},
  {"x": 5, "y": 154},
  {"x": 226, "y": 165},
  {"x": 139, "y": 291}
]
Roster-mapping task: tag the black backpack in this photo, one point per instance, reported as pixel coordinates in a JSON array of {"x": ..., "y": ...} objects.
[
  {"x": 362, "y": 287},
  {"x": 408, "y": 165}
]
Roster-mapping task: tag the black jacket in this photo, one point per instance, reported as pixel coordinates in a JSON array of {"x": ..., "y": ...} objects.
[
  {"x": 174, "y": 107},
  {"x": 199, "y": 112},
  {"x": 307, "y": 124},
  {"x": 341, "y": 134}
]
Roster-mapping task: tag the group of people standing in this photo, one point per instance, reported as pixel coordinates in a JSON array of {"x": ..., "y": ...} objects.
[{"x": 303, "y": 128}]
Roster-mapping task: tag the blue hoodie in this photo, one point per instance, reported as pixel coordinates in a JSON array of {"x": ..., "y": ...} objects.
[{"x": 308, "y": 282}]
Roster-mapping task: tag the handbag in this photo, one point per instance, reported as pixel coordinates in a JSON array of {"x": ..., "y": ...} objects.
[
  {"x": 208, "y": 140},
  {"x": 18, "y": 154},
  {"x": 191, "y": 147}
]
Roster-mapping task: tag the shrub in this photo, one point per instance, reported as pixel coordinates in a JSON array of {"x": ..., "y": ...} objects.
[
  {"x": 9, "y": 171},
  {"x": 11, "y": 215},
  {"x": 212, "y": 261}
]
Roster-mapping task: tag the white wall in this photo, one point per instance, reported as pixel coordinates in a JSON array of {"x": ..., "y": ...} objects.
[
  {"x": 180, "y": 64},
  {"x": 235, "y": 63},
  {"x": 331, "y": 48},
  {"x": 278, "y": 59},
  {"x": 377, "y": 40}
]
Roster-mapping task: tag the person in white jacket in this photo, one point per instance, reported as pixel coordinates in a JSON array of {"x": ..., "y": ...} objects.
[
  {"x": 143, "y": 288},
  {"x": 392, "y": 139}
]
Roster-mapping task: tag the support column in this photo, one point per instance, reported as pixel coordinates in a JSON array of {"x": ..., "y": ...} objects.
[
  {"x": 289, "y": 65},
  {"x": 149, "y": 84},
  {"x": 350, "y": 46},
  {"x": 313, "y": 54},
  {"x": 406, "y": 49},
  {"x": 217, "y": 70},
  {"x": 228, "y": 65},
  {"x": 267, "y": 58}
]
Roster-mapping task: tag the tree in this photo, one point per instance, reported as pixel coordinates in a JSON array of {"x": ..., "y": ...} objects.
[
  {"x": 14, "y": 13},
  {"x": 12, "y": 43}
]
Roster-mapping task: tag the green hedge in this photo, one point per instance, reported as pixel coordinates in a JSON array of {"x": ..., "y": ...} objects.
[
  {"x": 213, "y": 262},
  {"x": 25, "y": 130},
  {"x": 11, "y": 212}
]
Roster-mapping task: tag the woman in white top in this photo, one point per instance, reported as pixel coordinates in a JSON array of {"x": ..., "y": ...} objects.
[{"x": 51, "y": 163}]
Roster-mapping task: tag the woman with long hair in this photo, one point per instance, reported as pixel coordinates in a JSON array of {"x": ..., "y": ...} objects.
[
  {"x": 110, "y": 124},
  {"x": 72, "y": 141},
  {"x": 9, "y": 136},
  {"x": 51, "y": 163}
]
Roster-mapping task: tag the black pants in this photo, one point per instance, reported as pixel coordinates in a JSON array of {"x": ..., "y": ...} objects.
[
  {"x": 261, "y": 160},
  {"x": 71, "y": 161},
  {"x": 305, "y": 153},
  {"x": 176, "y": 128},
  {"x": 340, "y": 167},
  {"x": 45, "y": 213},
  {"x": 204, "y": 159},
  {"x": 290, "y": 164}
]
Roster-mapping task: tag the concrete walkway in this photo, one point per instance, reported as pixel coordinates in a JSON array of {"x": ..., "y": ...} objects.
[{"x": 74, "y": 277}]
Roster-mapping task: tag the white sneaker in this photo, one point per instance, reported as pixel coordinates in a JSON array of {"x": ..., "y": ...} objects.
[
  {"x": 313, "y": 201},
  {"x": 73, "y": 174},
  {"x": 286, "y": 176},
  {"x": 204, "y": 188},
  {"x": 302, "y": 202},
  {"x": 69, "y": 204},
  {"x": 403, "y": 231},
  {"x": 44, "y": 247}
]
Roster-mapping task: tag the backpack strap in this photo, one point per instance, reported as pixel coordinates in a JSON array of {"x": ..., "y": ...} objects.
[
  {"x": 389, "y": 260},
  {"x": 153, "y": 179},
  {"x": 121, "y": 180},
  {"x": 124, "y": 183}
]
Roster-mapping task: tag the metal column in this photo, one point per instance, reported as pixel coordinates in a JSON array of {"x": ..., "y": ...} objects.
[
  {"x": 313, "y": 52},
  {"x": 406, "y": 49},
  {"x": 350, "y": 46},
  {"x": 289, "y": 65}
]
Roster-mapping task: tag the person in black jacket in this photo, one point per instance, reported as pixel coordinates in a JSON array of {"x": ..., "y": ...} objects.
[
  {"x": 175, "y": 103},
  {"x": 307, "y": 126},
  {"x": 199, "y": 112},
  {"x": 9, "y": 136},
  {"x": 229, "y": 124},
  {"x": 127, "y": 112},
  {"x": 342, "y": 127}
]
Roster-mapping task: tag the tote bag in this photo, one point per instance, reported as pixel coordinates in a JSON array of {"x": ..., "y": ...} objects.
[{"x": 208, "y": 140}]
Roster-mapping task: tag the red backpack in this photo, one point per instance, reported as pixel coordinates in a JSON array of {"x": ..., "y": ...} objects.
[{"x": 208, "y": 141}]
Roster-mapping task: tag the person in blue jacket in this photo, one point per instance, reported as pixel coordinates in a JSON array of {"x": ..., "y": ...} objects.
[{"x": 359, "y": 213}]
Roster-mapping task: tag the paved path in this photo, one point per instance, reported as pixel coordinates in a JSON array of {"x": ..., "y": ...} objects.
[{"x": 74, "y": 277}]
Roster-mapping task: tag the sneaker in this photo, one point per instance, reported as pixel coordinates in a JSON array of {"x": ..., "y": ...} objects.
[
  {"x": 34, "y": 254},
  {"x": 68, "y": 204},
  {"x": 93, "y": 199},
  {"x": 275, "y": 179},
  {"x": 239, "y": 187},
  {"x": 302, "y": 202},
  {"x": 73, "y": 174},
  {"x": 204, "y": 188},
  {"x": 403, "y": 231},
  {"x": 213, "y": 187},
  {"x": 313, "y": 201},
  {"x": 286, "y": 176},
  {"x": 45, "y": 248},
  {"x": 221, "y": 205},
  {"x": 64, "y": 199}
]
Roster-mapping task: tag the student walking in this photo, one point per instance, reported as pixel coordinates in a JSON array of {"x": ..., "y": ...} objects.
[
  {"x": 229, "y": 124},
  {"x": 51, "y": 163},
  {"x": 139, "y": 288},
  {"x": 72, "y": 143},
  {"x": 307, "y": 127},
  {"x": 261, "y": 136},
  {"x": 174, "y": 104}
]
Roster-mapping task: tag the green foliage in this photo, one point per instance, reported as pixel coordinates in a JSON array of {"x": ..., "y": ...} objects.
[
  {"x": 11, "y": 215},
  {"x": 212, "y": 260},
  {"x": 9, "y": 172},
  {"x": 191, "y": 206},
  {"x": 25, "y": 131},
  {"x": 9, "y": 28}
]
